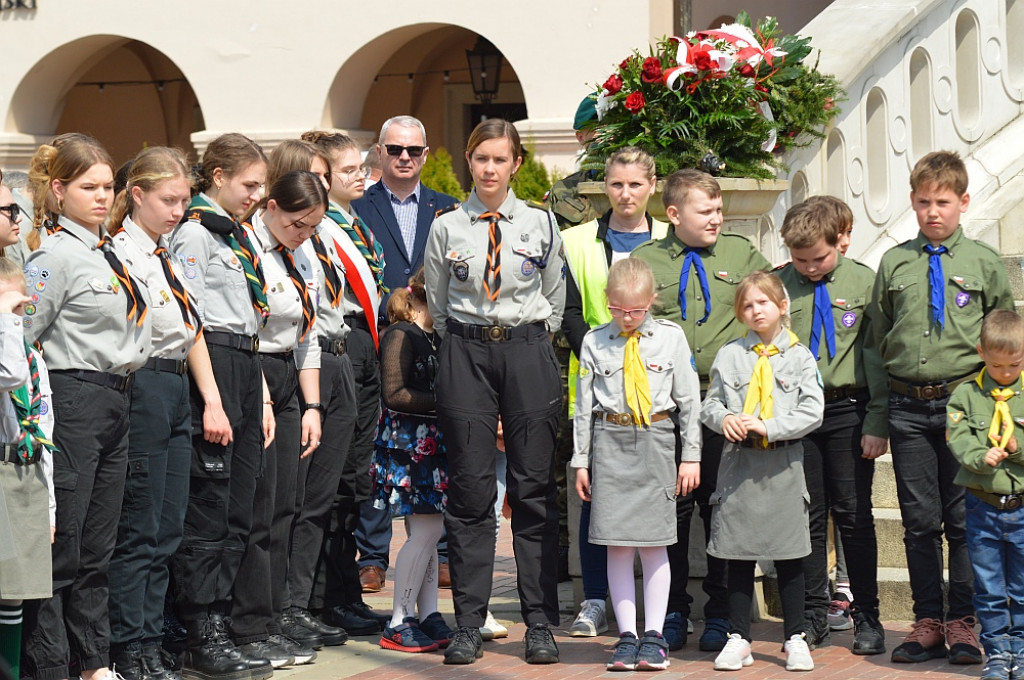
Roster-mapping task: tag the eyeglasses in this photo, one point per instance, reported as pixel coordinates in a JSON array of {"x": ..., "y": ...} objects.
[
  {"x": 13, "y": 211},
  {"x": 620, "y": 312},
  {"x": 397, "y": 149},
  {"x": 361, "y": 171}
]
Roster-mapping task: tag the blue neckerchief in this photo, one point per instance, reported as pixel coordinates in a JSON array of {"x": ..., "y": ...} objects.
[
  {"x": 822, "y": 320},
  {"x": 693, "y": 259},
  {"x": 937, "y": 283}
]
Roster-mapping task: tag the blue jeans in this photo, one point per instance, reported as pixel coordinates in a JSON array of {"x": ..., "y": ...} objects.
[
  {"x": 995, "y": 541},
  {"x": 931, "y": 506}
]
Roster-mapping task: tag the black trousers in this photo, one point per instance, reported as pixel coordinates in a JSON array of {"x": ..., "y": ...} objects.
[
  {"x": 91, "y": 435},
  {"x": 320, "y": 474},
  {"x": 839, "y": 478},
  {"x": 221, "y": 489},
  {"x": 153, "y": 512},
  {"x": 262, "y": 582},
  {"x": 337, "y": 574},
  {"x": 477, "y": 381},
  {"x": 714, "y": 584},
  {"x": 790, "y": 575}
]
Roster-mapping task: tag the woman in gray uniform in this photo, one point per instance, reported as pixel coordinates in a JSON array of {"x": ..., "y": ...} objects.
[
  {"x": 223, "y": 272},
  {"x": 495, "y": 288},
  {"x": 90, "y": 317}
]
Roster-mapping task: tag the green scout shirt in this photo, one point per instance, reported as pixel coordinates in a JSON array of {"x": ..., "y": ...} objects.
[
  {"x": 569, "y": 207},
  {"x": 856, "y": 363},
  {"x": 913, "y": 349},
  {"x": 726, "y": 262},
  {"x": 968, "y": 416}
]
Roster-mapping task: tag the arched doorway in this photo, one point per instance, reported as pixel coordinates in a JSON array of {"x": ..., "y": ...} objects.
[
  {"x": 123, "y": 92},
  {"x": 419, "y": 70}
]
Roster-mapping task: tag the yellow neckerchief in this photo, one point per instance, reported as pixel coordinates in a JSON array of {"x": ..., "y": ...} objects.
[
  {"x": 762, "y": 380},
  {"x": 1001, "y": 418},
  {"x": 638, "y": 389}
]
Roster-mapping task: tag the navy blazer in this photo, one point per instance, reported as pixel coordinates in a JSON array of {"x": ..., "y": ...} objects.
[{"x": 375, "y": 211}]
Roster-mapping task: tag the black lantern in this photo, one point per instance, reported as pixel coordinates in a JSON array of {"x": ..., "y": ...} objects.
[{"x": 484, "y": 69}]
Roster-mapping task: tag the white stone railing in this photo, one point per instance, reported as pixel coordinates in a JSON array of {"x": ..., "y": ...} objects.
[{"x": 921, "y": 75}]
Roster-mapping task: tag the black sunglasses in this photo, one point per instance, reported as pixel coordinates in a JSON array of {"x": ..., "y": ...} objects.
[
  {"x": 13, "y": 211},
  {"x": 397, "y": 149}
]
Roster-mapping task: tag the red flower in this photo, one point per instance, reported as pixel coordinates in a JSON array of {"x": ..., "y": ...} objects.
[
  {"x": 651, "y": 70},
  {"x": 747, "y": 71},
  {"x": 426, "y": 447},
  {"x": 625, "y": 63},
  {"x": 635, "y": 102},
  {"x": 613, "y": 84},
  {"x": 702, "y": 60}
]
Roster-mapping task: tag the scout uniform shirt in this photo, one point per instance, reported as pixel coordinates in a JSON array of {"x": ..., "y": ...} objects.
[
  {"x": 856, "y": 364},
  {"x": 77, "y": 307},
  {"x": 532, "y": 288},
  {"x": 171, "y": 338},
  {"x": 968, "y": 417},
  {"x": 673, "y": 382},
  {"x": 726, "y": 262},
  {"x": 913, "y": 348},
  {"x": 215, "y": 277},
  {"x": 331, "y": 321},
  {"x": 281, "y": 334}
]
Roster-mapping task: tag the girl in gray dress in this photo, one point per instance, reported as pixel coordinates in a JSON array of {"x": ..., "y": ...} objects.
[{"x": 634, "y": 372}]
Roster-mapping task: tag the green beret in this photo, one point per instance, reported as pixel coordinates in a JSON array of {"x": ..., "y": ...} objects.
[{"x": 585, "y": 113}]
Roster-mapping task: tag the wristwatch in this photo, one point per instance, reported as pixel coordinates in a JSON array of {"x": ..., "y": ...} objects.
[{"x": 317, "y": 405}]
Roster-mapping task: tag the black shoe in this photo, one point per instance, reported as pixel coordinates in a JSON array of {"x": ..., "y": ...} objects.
[
  {"x": 153, "y": 665},
  {"x": 818, "y": 633},
  {"x": 868, "y": 636},
  {"x": 366, "y": 611},
  {"x": 355, "y": 624},
  {"x": 292, "y": 629},
  {"x": 127, "y": 663},
  {"x": 540, "y": 644},
  {"x": 209, "y": 658},
  {"x": 465, "y": 647},
  {"x": 265, "y": 649},
  {"x": 301, "y": 653},
  {"x": 331, "y": 635}
]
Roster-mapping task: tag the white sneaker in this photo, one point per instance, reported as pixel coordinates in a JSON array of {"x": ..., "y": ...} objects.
[
  {"x": 798, "y": 655},
  {"x": 689, "y": 627},
  {"x": 735, "y": 655},
  {"x": 591, "y": 621},
  {"x": 492, "y": 630}
]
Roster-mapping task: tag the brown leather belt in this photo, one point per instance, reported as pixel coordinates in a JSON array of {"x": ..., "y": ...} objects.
[
  {"x": 999, "y": 501},
  {"x": 626, "y": 419},
  {"x": 938, "y": 390},
  {"x": 759, "y": 443}
]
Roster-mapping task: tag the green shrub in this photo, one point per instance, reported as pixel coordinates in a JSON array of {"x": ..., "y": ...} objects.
[
  {"x": 439, "y": 175},
  {"x": 533, "y": 180}
]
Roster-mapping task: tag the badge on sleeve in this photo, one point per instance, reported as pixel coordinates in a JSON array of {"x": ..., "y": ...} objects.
[
  {"x": 460, "y": 270},
  {"x": 955, "y": 416}
]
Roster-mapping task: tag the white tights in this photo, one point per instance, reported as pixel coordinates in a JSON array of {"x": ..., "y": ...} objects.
[
  {"x": 416, "y": 568},
  {"x": 657, "y": 579}
]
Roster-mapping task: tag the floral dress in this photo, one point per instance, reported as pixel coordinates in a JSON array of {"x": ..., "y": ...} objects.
[{"x": 409, "y": 468}]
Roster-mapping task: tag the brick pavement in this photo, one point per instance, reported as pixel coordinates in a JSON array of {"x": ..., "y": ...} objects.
[{"x": 362, "y": 659}]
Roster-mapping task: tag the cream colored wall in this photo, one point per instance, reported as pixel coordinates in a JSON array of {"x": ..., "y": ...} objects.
[{"x": 793, "y": 15}]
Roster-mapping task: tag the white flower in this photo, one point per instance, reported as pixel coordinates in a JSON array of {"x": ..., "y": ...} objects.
[{"x": 605, "y": 103}]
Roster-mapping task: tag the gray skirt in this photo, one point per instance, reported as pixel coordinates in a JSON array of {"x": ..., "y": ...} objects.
[
  {"x": 759, "y": 507},
  {"x": 25, "y": 567},
  {"x": 633, "y": 485}
]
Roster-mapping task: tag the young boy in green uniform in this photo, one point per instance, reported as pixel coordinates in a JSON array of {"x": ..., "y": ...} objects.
[
  {"x": 828, "y": 297},
  {"x": 980, "y": 426},
  {"x": 929, "y": 299},
  {"x": 696, "y": 270}
]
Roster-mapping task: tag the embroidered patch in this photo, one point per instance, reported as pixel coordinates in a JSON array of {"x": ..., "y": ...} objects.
[
  {"x": 27, "y": 323},
  {"x": 461, "y": 271},
  {"x": 524, "y": 237},
  {"x": 962, "y": 299},
  {"x": 956, "y": 416},
  {"x": 849, "y": 319},
  {"x": 30, "y": 309},
  {"x": 32, "y": 272},
  {"x": 44, "y": 407},
  {"x": 44, "y": 273},
  {"x": 584, "y": 371},
  {"x": 190, "y": 260},
  {"x": 40, "y": 286},
  {"x": 841, "y": 302},
  {"x": 34, "y": 297},
  {"x": 190, "y": 273},
  {"x": 528, "y": 267}
]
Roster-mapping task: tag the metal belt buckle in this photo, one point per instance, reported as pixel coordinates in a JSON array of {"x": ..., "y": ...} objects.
[
  {"x": 623, "y": 419},
  {"x": 1010, "y": 502},
  {"x": 494, "y": 333},
  {"x": 929, "y": 392},
  {"x": 255, "y": 344}
]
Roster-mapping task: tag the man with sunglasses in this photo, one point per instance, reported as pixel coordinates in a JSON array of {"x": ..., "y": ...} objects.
[{"x": 399, "y": 211}]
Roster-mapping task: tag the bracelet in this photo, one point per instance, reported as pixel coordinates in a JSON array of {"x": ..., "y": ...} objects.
[
  {"x": 316, "y": 405},
  {"x": 269, "y": 403}
]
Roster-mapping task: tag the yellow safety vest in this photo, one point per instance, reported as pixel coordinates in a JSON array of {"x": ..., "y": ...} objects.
[{"x": 585, "y": 255}]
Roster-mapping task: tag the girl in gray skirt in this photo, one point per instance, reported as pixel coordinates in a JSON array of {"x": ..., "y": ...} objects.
[{"x": 634, "y": 373}]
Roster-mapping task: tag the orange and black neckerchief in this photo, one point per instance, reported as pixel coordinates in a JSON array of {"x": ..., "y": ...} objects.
[
  {"x": 493, "y": 266},
  {"x": 331, "y": 279},
  {"x": 308, "y": 309},
  {"x": 189, "y": 313}
]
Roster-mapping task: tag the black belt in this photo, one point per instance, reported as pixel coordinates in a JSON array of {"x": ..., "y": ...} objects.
[
  {"x": 844, "y": 393},
  {"x": 166, "y": 365},
  {"x": 494, "y": 333},
  {"x": 758, "y": 443},
  {"x": 283, "y": 356},
  {"x": 115, "y": 382},
  {"x": 938, "y": 390},
  {"x": 246, "y": 343},
  {"x": 626, "y": 419},
  {"x": 357, "y": 321},
  {"x": 332, "y": 346},
  {"x": 999, "y": 501},
  {"x": 9, "y": 454}
]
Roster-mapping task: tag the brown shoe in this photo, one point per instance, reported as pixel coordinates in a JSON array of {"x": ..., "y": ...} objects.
[
  {"x": 925, "y": 641},
  {"x": 444, "y": 577},
  {"x": 963, "y": 643},
  {"x": 371, "y": 578}
]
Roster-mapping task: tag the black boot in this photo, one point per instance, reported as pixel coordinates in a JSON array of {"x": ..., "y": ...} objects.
[
  {"x": 153, "y": 664},
  {"x": 331, "y": 635},
  {"x": 208, "y": 658},
  {"x": 127, "y": 662},
  {"x": 259, "y": 667}
]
